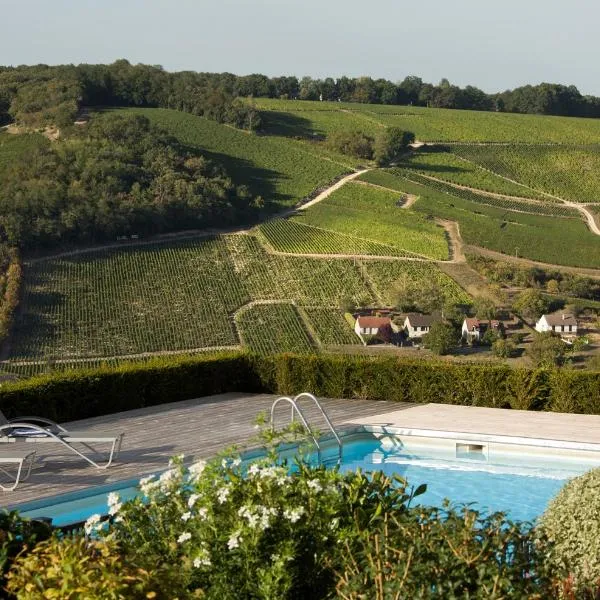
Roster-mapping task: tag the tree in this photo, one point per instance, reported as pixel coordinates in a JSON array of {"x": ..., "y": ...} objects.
[
  {"x": 504, "y": 348},
  {"x": 531, "y": 304},
  {"x": 423, "y": 296},
  {"x": 485, "y": 308},
  {"x": 389, "y": 143},
  {"x": 442, "y": 337},
  {"x": 547, "y": 350}
]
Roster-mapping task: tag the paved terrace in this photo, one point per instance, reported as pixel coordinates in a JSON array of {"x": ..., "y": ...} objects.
[{"x": 202, "y": 427}]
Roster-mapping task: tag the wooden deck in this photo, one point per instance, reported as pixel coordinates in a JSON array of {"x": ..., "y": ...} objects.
[
  {"x": 202, "y": 427},
  {"x": 196, "y": 428}
]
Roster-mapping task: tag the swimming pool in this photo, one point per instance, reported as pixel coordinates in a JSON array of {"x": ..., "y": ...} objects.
[{"x": 514, "y": 478}]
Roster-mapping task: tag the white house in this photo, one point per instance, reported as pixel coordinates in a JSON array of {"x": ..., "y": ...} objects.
[
  {"x": 371, "y": 325},
  {"x": 417, "y": 325},
  {"x": 561, "y": 323}
]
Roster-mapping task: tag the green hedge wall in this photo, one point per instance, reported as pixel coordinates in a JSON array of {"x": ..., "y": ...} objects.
[{"x": 82, "y": 394}]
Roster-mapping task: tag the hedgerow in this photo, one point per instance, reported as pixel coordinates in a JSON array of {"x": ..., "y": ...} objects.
[{"x": 81, "y": 394}]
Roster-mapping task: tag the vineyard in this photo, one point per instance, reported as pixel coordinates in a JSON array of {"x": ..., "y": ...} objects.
[
  {"x": 547, "y": 239},
  {"x": 569, "y": 172},
  {"x": 271, "y": 328},
  {"x": 550, "y": 209},
  {"x": 438, "y": 124},
  {"x": 281, "y": 170},
  {"x": 285, "y": 235},
  {"x": 189, "y": 295},
  {"x": 373, "y": 214},
  {"x": 450, "y": 168}
]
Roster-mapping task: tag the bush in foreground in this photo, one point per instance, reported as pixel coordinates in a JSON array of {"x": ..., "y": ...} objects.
[
  {"x": 224, "y": 531},
  {"x": 572, "y": 523}
]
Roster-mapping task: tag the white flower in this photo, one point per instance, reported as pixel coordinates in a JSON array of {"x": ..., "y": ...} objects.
[
  {"x": 114, "y": 509},
  {"x": 222, "y": 494},
  {"x": 234, "y": 541},
  {"x": 201, "y": 561},
  {"x": 148, "y": 484},
  {"x": 237, "y": 462},
  {"x": 293, "y": 514},
  {"x": 196, "y": 469},
  {"x": 184, "y": 537},
  {"x": 254, "y": 469},
  {"x": 167, "y": 478},
  {"x": 186, "y": 516},
  {"x": 91, "y": 524},
  {"x": 192, "y": 500},
  {"x": 203, "y": 512},
  {"x": 112, "y": 499},
  {"x": 315, "y": 484}
]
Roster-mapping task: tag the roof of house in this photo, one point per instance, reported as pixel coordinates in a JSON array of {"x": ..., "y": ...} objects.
[
  {"x": 419, "y": 320},
  {"x": 472, "y": 323},
  {"x": 560, "y": 319},
  {"x": 373, "y": 322}
]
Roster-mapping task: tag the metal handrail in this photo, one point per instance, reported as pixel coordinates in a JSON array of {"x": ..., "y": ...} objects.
[{"x": 297, "y": 410}]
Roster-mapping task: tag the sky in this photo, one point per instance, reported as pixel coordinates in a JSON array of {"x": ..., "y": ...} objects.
[{"x": 494, "y": 45}]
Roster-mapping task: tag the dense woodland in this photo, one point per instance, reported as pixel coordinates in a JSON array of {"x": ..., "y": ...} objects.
[
  {"x": 119, "y": 175},
  {"x": 38, "y": 95}
]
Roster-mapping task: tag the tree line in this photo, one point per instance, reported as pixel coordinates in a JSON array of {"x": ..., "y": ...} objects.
[
  {"x": 40, "y": 94},
  {"x": 119, "y": 175}
]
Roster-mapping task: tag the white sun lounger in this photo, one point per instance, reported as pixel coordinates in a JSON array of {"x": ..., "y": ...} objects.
[
  {"x": 39, "y": 430},
  {"x": 21, "y": 458}
]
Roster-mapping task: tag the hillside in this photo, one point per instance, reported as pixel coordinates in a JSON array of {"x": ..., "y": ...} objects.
[{"x": 284, "y": 284}]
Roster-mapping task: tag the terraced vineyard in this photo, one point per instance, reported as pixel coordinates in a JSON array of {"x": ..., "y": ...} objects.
[
  {"x": 281, "y": 170},
  {"x": 374, "y": 214},
  {"x": 271, "y": 328},
  {"x": 331, "y": 327},
  {"x": 383, "y": 276},
  {"x": 550, "y": 209},
  {"x": 286, "y": 235},
  {"x": 449, "y": 167},
  {"x": 438, "y": 124},
  {"x": 569, "y": 172},
  {"x": 187, "y": 295}
]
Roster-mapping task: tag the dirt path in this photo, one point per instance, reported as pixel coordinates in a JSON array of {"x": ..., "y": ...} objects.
[
  {"x": 455, "y": 241},
  {"x": 336, "y": 186}
]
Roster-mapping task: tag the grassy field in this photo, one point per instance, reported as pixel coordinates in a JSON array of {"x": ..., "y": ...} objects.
[
  {"x": 374, "y": 214},
  {"x": 435, "y": 124},
  {"x": 281, "y": 170},
  {"x": 12, "y": 146},
  {"x": 569, "y": 172},
  {"x": 184, "y": 296}
]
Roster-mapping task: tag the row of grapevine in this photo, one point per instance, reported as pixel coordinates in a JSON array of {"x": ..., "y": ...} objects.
[
  {"x": 271, "y": 328},
  {"x": 331, "y": 327},
  {"x": 293, "y": 236},
  {"x": 550, "y": 209},
  {"x": 569, "y": 172}
]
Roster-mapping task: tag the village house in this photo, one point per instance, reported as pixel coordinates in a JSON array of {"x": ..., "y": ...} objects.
[
  {"x": 417, "y": 325},
  {"x": 563, "y": 324},
  {"x": 367, "y": 325},
  {"x": 473, "y": 329}
]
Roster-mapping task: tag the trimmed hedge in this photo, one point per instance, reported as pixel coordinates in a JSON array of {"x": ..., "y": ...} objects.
[{"x": 81, "y": 394}]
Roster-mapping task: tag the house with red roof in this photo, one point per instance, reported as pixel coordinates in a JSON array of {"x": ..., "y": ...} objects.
[
  {"x": 474, "y": 329},
  {"x": 367, "y": 325}
]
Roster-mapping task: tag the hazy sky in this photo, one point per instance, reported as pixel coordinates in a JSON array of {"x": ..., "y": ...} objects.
[{"x": 491, "y": 44}]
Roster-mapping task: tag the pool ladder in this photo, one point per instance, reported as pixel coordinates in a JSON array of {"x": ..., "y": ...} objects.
[{"x": 296, "y": 410}]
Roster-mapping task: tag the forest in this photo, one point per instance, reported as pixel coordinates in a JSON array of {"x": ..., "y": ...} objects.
[
  {"x": 120, "y": 175},
  {"x": 41, "y": 94}
]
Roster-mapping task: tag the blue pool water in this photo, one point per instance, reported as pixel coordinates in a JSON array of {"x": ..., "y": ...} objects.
[{"x": 517, "y": 484}]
